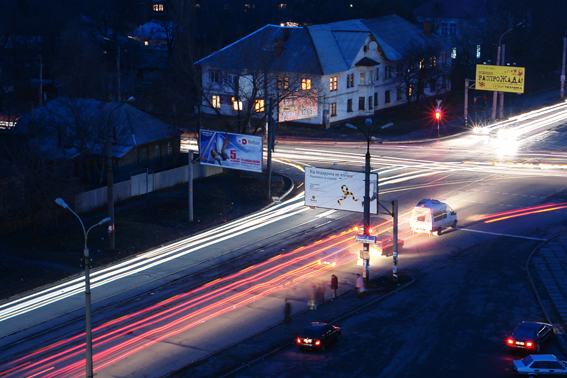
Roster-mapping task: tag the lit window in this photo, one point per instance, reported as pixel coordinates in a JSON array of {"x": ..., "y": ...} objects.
[
  {"x": 454, "y": 53},
  {"x": 433, "y": 61},
  {"x": 158, "y": 7},
  {"x": 362, "y": 80},
  {"x": 259, "y": 105},
  {"x": 282, "y": 6},
  {"x": 333, "y": 109},
  {"x": 478, "y": 51},
  {"x": 286, "y": 83},
  {"x": 236, "y": 105},
  {"x": 197, "y": 5},
  {"x": 279, "y": 82},
  {"x": 305, "y": 84},
  {"x": 215, "y": 101},
  {"x": 333, "y": 82},
  {"x": 370, "y": 76},
  {"x": 146, "y": 43}
]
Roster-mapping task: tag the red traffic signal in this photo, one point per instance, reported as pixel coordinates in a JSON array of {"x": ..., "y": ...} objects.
[{"x": 437, "y": 113}]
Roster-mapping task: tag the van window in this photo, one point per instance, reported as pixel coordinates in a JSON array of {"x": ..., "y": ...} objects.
[
  {"x": 421, "y": 217},
  {"x": 437, "y": 216},
  {"x": 444, "y": 214}
]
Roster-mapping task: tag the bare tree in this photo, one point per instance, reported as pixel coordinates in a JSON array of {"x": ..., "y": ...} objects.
[{"x": 420, "y": 70}]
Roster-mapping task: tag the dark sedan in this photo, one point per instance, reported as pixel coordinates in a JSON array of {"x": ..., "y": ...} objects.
[
  {"x": 317, "y": 336},
  {"x": 530, "y": 335}
]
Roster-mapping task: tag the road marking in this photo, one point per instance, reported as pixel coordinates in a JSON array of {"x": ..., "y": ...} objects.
[{"x": 495, "y": 233}]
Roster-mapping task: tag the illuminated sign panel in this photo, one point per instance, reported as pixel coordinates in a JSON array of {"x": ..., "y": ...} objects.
[
  {"x": 298, "y": 105},
  {"x": 339, "y": 190},
  {"x": 228, "y": 150},
  {"x": 500, "y": 78}
]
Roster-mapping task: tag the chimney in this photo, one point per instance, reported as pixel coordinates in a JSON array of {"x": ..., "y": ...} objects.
[
  {"x": 427, "y": 28},
  {"x": 278, "y": 47}
]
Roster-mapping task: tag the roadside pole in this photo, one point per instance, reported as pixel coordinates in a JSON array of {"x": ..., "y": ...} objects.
[
  {"x": 190, "y": 175},
  {"x": 395, "y": 232}
]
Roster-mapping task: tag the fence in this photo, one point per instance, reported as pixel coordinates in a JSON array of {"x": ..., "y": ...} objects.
[{"x": 142, "y": 183}]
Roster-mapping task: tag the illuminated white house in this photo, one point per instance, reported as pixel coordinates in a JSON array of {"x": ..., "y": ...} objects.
[{"x": 325, "y": 74}]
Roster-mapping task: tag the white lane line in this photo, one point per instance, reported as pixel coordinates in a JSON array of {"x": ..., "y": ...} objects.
[{"x": 495, "y": 233}]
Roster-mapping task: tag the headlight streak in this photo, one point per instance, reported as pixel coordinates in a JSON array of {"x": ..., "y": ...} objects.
[
  {"x": 522, "y": 212},
  {"x": 157, "y": 256},
  {"x": 175, "y": 326}
]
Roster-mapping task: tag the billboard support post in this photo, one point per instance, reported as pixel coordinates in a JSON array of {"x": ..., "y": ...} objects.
[{"x": 270, "y": 138}]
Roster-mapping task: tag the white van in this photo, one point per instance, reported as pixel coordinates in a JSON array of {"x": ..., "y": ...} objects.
[{"x": 430, "y": 216}]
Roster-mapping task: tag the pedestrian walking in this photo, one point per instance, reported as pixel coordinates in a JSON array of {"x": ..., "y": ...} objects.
[
  {"x": 334, "y": 285},
  {"x": 287, "y": 311},
  {"x": 312, "y": 303},
  {"x": 359, "y": 285}
]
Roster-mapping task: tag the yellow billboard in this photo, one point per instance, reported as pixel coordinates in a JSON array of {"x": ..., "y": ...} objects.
[{"x": 500, "y": 78}]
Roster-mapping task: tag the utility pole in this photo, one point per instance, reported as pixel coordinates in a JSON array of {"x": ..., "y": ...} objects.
[
  {"x": 502, "y": 93},
  {"x": 563, "y": 66},
  {"x": 271, "y": 140},
  {"x": 190, "y": 168}
]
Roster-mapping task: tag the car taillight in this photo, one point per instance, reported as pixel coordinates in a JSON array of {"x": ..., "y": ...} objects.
[
  {"x": 510, "y": 341},
  {"x": 529, "y": 344},
  {"x": 298, "y": 340},
  {"x": 318, "y": 342}
]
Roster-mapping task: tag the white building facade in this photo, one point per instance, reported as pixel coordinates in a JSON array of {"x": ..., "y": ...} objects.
[{"x": 325, "y": 74}]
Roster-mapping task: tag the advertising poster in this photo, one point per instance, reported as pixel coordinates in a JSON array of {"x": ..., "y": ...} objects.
[
  {"x": 339, "y": 190},
  {"x": 298, "y": 105},
  {"x": 228, "y": 150},
  {"x": 500, "y": 78}
]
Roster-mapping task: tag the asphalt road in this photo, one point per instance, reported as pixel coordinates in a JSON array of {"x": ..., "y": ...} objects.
[{"x": 471, "y": 287}]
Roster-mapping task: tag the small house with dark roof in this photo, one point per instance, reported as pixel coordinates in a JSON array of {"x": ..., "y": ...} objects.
[
  {"x": 321, "y": 74},
  {"x": 71, "y": 129}
]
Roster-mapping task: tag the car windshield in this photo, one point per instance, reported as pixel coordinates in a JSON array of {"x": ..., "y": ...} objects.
[
  {"x": 523, "y": 334},
  {"x": 310, "y": 333},
  {"x": 527, "y": 360}
]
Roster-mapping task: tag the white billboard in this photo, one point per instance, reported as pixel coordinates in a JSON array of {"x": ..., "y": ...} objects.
[
  {"x": 228, "y": 150},
  {"x": 339, "y": 190}
]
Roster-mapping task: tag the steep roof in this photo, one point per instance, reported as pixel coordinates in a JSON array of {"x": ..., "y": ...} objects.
[{"x": 319, "y": 49}]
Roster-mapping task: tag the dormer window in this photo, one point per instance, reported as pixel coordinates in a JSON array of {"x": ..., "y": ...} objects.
[{"x": 158, "y": 7}]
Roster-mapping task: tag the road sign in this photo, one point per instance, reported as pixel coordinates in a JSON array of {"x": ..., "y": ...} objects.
[{"x": 365, "y": 239}]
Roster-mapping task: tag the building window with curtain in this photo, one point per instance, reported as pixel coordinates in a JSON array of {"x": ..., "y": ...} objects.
[
  {"x": 333, "y": 83},
  {"x": 333, "y": 109}
]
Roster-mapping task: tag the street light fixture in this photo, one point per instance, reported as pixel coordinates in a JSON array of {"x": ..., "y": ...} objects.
[{"x": 89, "y": 337}]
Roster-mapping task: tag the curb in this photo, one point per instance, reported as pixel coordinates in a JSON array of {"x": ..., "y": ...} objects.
[{"x": 562, "y": 342}]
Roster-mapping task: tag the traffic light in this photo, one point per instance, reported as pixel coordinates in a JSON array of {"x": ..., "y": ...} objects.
[{"x": 437, "y": 113}]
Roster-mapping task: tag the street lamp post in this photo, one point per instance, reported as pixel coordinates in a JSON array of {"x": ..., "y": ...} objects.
[
  {"x": 86, "y": 261},
  {"x": 498, "y": 61}
]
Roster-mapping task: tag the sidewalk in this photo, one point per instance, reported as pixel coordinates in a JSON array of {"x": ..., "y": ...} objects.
[{"x": 547, "y": 271}]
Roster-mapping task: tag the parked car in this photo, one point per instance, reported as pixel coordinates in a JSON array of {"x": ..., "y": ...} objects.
[
  {"x": 530, "y": 335},
  {"x": 317, "y": 336},
  {"x": 536, "y": 365}
]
